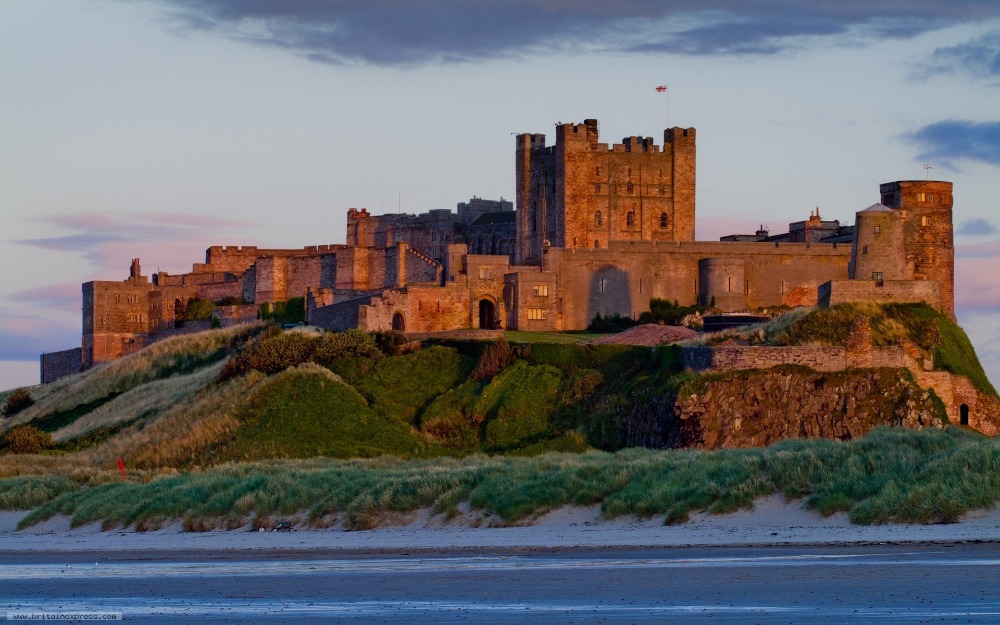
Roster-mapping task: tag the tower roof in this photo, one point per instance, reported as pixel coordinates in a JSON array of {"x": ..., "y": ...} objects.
[{"x": 877, "y": 208}]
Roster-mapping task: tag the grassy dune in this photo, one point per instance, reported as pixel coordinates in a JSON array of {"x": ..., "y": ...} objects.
[{"x": 888, "y": 476}]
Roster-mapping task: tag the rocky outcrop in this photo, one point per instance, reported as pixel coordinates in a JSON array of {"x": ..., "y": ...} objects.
[{"x": 757, "y": 408}]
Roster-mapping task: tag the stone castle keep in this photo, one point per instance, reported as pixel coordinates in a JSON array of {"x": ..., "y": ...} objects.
[{"x": 598, "y": 228}]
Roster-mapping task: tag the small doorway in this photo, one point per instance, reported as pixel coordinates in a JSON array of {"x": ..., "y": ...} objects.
[
  {"x": 398, "y": 323},
  {"x": 487, "y": 315},
  {"x": 963, "y": 414}
]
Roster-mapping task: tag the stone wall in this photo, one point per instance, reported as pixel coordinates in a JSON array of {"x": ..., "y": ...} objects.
[
  {"x": 623, "y": 278},
  {"x": 902, "y": 291},
  {"x": 55, "y": 365},
  {"x": 338, "y": 316},
  {"x": 420, "y": 309}
]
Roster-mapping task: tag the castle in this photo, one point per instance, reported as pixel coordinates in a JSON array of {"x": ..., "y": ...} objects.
[{"x": 598, "y": 229}]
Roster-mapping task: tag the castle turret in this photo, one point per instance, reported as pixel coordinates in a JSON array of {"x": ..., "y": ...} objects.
[
  {"x": 908, "y": 237},
  {"x": 925, "y": 207}
]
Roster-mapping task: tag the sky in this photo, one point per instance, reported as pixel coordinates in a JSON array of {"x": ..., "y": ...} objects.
[{"x": 153, "y": 129}]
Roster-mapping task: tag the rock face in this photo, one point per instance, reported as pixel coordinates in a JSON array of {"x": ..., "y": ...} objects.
[{"x": 759, "y": 407}]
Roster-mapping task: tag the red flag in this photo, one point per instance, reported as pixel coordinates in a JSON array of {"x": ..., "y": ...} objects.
[
  {"x": 121, "y": 465},
  {"x": 661, "y": 88}
]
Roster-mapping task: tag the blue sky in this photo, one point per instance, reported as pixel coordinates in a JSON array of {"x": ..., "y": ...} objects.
[{"x": 155, "y": 129}]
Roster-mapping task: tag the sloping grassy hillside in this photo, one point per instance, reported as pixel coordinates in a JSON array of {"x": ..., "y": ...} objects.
[
  {"x": 258, "y": 392},
  {"x": 308, "y": 411}
]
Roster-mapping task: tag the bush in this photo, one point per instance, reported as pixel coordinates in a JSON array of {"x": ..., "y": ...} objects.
[
  {"x": 290, "y": 312},
  {"x": 197, "y": 309},
  {"x": 389, "y": 341},
  {"x": 610, "y": 323},
  {"x": 348, "y": 344},
  {"x": 27, "y": 440},
  {"x": 272, "y": 353},
  {"x": 495, "y": 358},
  {"x": 18, "y": 401}
]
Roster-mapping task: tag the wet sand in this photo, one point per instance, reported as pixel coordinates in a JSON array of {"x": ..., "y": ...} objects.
[{"x": 773, "y": 522}]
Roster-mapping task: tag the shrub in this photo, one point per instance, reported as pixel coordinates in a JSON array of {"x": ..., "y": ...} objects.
[
  {"x": 348, "y": 344},
  {"x": 495, "y": 358},
  {"x": 289, "y": 312},
  {"x": 197, "y": 309},
  {"x": 389, "y": 341},
  {"x": 610, "y": 323},
  {"x": 272, "y": 353},
  {"x": 216, "y": 322},
  {"x": 27, "y": 440},
  {"x": 18, "y": 401}
]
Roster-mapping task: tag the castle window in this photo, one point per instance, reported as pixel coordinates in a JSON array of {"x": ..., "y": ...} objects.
[
  {"x": 878, "y": 229},
  {"x": 924, "y": 220},
  {"x": 663, "y": 220},
  {"x": 597, "y": 170},
  {"x": 629, "y": 219},
  {"x": 864, "y": 250},
  {"x": 536, "y": 314},
  {"x": 628, "y": 188},
  {"x": 663, "y": 189},
  {"x": 541, "y": 290},
  {"x": 597, "y": 187},
  {"x": 877, "y": 277},
  {"x": 629, "y": 172},
  {"x": 486, "y": 273},
  {"x": 921, "y": 197},
  {"x": 118, "y": 298},
  {"x": 597, "y": 244},
  {"x": 597, "y": 218}
]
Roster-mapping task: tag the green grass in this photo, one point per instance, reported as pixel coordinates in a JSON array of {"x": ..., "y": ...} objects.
[
  {"x": 400, "y": 387},
  {"x": 891, "y": 323},
  {"x": 565, "y": 338},
  {"x": 891, "y": 475},
  {"x": 306, "y": 412},
  {"x": 61, "y": 418}
]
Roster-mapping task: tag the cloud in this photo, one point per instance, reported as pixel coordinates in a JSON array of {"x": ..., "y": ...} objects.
[
  {"x": 420, "y": 32},
  {"x": 22, "y": 337},
  {"x": 976, "y": 227},
  {"x": 110, "y": 240},
  {"x": 978, "y": 57},
  {"x": 64, "y": 295},
  {"x": 987, "y": 249},
  {"x": 952, "y": 140},
  {"x": 976, "y": 286}
]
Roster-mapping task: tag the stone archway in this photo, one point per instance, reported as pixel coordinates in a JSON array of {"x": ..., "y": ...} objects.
[
  {"x": 398, "y": 323},
  {"x": 487, "y": 314},
  {"x": 963, "y": 414}
]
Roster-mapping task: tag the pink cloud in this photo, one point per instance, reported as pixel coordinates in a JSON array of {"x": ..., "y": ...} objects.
[
  {"x": 978, "y": 250},
  {"x": 172, "y": 241},
  {"x": 976, "y": 283}
]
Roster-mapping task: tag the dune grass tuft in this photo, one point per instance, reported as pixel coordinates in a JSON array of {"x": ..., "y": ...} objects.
[{"x": 889, "y": 476}]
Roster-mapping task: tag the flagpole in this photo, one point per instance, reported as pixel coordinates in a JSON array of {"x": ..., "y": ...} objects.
[{"x": 666, "y": 104}]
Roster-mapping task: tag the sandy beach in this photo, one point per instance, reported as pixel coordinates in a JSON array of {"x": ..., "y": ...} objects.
[{"x": 773, "y": 522}]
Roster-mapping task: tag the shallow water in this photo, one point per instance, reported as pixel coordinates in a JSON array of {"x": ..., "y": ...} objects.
[{"x": 910, "y": 584}]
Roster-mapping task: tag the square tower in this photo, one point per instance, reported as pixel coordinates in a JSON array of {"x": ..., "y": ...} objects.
[{"x": 581, "y": 193}]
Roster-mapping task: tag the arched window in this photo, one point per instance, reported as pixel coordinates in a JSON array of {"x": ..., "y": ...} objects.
[
  {"x": 663, "y": 220},
  {"x": 629, "y": 219},
  {"x": 597, "y": 218},
  {"x": 597, "y": 244}
]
